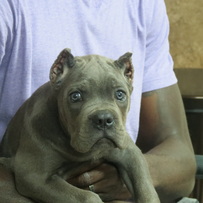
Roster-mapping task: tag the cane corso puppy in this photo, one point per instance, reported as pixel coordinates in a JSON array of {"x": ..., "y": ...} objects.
[{"x": 76, "y": 118}]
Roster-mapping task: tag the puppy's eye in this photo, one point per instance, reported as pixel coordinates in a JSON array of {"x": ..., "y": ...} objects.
[
  {"x": 75, "y": 97},
  {"x": 120, "y": 95}
]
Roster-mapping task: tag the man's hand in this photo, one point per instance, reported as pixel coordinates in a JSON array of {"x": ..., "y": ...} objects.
[
  {"x": 104, "y": 177},
  {"x": 104, "y": 180},
  {"x": 8, "y": 192}
]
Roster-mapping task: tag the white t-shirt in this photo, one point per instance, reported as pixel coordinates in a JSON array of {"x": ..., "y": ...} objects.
[{"x": 32, "y": 33}]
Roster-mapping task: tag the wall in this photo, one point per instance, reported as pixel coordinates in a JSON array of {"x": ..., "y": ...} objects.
[{"x": 186, "y": 32}]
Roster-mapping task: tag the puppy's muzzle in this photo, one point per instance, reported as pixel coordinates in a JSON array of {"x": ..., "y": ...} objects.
[{"x": 102, "y": 120}]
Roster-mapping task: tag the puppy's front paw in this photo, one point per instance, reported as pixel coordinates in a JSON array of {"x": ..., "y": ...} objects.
[{"x": 92, "y": 198}]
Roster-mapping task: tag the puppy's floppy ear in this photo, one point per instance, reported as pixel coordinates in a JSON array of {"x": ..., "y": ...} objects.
[
  {"x": 59, "y": 69},
  {"x": 125, "y": 63}
]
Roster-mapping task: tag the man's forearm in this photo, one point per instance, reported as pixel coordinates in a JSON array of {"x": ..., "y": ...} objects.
[{"x": 172, "y": 168}]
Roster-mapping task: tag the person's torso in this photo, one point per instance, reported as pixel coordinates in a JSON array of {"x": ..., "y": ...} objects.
[{"x": 43, "y": 28}]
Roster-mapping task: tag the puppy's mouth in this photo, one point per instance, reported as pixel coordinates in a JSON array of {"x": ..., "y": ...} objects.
[
  {"x": 103, "y": 142},
  {"x": 97, "y": 141}
]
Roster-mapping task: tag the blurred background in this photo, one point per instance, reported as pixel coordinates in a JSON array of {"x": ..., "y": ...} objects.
[
  {"x": 186, "y": 47},
  {"x": 186, "y": 32}
]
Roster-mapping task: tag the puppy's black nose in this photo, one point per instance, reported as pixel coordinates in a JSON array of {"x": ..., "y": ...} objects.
[{"x": 103, "y": 119}]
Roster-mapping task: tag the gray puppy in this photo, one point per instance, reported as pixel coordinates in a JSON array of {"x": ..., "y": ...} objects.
[{"x": 76, "y": 118}]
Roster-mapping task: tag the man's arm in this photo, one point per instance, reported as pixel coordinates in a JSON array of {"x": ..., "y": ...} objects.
[{"x": 165, "y": 141}]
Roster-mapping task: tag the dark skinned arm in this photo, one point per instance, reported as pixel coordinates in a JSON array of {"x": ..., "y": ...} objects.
[{"x": 165, "y": 141}]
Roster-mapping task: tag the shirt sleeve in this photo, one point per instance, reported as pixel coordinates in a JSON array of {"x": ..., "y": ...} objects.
[
  {"x": 7, "y": 27},
  {"x": 158, "y": 70}
]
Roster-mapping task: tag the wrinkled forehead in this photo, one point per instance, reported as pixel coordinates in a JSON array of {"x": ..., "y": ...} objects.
[
  {"x": 94, "y": 63},
  {"x": 97, "y": 70},
  {"x": 96, "y": 74}
]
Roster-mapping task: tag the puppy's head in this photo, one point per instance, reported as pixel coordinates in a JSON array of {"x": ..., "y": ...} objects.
[{"x": 93, "y": 95}]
